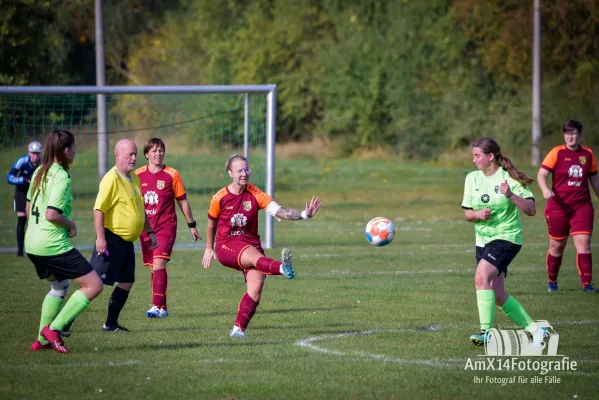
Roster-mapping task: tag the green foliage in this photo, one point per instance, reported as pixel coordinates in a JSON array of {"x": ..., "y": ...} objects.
[{"x": 417, "y": 77}]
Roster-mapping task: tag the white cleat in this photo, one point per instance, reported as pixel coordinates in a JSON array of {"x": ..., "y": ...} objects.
[
  {"x": 153, "y": 312},
  {"x": 237, "y": 332}
]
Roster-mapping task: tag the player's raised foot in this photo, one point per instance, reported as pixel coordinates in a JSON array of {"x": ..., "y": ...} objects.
[
  {"x": 54, "y": 339},
  {"x": 114, "y": 328},
  {"x": 237, "y": 332},
  {"x": 479, "y": 339},
  {"x": 163, "y": 313},
  {"x": 589, "y": 288},
  {"x": 153, "y": 312},
  {"x": 37, "y": 346},
  {"x": 286, "y": 268},
  {"x": 552, "y": 287}
]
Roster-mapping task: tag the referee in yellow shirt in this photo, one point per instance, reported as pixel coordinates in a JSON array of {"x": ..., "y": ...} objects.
[{"x": 119, "y": 218}]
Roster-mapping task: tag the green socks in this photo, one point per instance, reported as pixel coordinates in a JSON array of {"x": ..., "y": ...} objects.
[
  {"x": 514, "y": 311},
  {"x": 486, "y": 308},
  {"x": 50, "y": 309},
  {"x": 76, "y": 304}
]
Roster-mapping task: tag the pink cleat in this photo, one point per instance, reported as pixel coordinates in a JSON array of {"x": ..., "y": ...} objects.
[
  {"x": 54, "y": 338},
  {"x": 37, "y": 346}
]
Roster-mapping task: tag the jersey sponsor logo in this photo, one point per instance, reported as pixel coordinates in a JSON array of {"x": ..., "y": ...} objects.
[
  {"x": 144, "y": 184},
  {"x": 485, "y": 198},
  {"x": 238, "y": 223},
  {"x": 247, "y": 205},
  {"x": 160, "y": 184},
  {"x": 151, "y": 198},
  {"x": 151, "y": 212},
  {"x": 229, "y": 207},
  {"x": 582, "y": 159},
  {"x": 575, "y": 171},
  {"x": 574, "y": 183}
]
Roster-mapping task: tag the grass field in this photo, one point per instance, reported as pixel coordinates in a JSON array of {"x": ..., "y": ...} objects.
[{"x": 356, "y": 322}]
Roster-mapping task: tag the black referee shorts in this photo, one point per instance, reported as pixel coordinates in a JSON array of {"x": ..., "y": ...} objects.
[
  {"x": 69, "y": 265},
  {"x": 119, "y": 264},
  {"x": 498, "y": 253}
]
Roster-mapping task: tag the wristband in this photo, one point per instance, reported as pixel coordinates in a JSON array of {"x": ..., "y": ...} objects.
[
  {"x": 304, "y": 216},
  {"x": 191, "y": 224}
]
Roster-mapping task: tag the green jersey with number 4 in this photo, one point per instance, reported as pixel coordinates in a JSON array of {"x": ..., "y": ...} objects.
[
  {"x": 482, "y": 192},
  {"x": 43, "y": 238}
]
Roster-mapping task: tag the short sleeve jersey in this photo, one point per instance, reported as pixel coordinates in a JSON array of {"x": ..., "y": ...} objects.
[
  {"x": 482, "y": 192},
  {"x": 43, "y": 238},
  {"x": 237, "y": 214},
  {"x": 160, "y": 189},
  {"x": 571, "y": 170},
  {"x": 122, "y": 204}
]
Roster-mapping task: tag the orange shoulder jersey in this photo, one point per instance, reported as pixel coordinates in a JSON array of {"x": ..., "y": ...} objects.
[
  {"x": 237, "y": 214},
  {"x": 159, "y": 190},
  {"x": 571, "y": 170}
]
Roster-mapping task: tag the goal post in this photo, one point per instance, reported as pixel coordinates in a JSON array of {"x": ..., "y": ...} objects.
[{"x": 201, "y": 127}]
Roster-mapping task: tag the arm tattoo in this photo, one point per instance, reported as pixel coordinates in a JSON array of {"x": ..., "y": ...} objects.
[{"x": 289, "y": 213}]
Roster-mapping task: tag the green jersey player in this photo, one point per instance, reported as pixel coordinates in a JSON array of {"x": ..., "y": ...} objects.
[
  {"x": 49, "y": 205},
  {"x": 493, "y": 198}
]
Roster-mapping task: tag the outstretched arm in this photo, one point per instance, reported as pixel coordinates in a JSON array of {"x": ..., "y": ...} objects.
[{"x": 293, "y": 214}]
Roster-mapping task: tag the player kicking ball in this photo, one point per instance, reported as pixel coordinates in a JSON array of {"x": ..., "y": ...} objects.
[{"x": 233, "y": 222}]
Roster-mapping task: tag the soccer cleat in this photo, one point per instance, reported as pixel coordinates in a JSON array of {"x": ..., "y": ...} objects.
[
  {"x": 479, "y": 339},
  {"x": 237, "y": 332},
  {"x": 286, "y": 268},
  {"x": 163, "y": 312},
  {"x": 552, "y": 287},
  {"x": 66, "y": 331},
  {"x": 153, "y": 312},
  {"x": 37, "y": 346},
  {"x": 114, "y": 328},
  {"x": 20, "y": 253},
  {"x": 54, "y": 339},
  {"x": 538, "y": 337},
  {"x": 589, "y": 288}
]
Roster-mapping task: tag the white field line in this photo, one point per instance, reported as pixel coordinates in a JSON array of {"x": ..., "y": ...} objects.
[
  {"x": 359, "y": 356},
  {"x": 118, "y": 363}
]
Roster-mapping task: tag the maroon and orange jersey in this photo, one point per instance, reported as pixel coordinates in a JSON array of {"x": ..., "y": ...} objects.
[
  {"x": 237, "y": 214},
  {"x": 160, "y": 189},
  {"x": 571, "y": 170}
]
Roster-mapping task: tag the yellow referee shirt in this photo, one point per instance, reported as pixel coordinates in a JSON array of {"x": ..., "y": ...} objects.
[{"x": 122, "y": 205}]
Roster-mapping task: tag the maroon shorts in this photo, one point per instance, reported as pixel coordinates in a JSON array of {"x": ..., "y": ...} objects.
[
  {"x": 166, "y": 241},
  {"x": 563, "y": 222},
  {"x": 229, "y": 254}
]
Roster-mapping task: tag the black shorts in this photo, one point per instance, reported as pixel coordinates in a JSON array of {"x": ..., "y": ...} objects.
[
  {"x": 119, "y": 264},
  {"x": 20, "y": 201},
  {"x": 498, "y": 253},
  {"x": 69, "y": 265}
]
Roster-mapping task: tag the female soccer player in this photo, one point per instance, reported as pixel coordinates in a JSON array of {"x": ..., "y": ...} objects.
[
  {"x": 233, "y": 219},
  {"x": 493, "y": 198},
  {"x": 569, "y": 209},
  {"x": 49, "y": 206},
  {"x": 161, "y": 186}
]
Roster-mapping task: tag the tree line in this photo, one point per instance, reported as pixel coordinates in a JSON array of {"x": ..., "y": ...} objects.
[{"x": 419, "y": 77}]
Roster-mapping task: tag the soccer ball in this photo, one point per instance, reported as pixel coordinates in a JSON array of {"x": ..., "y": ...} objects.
[{"x": 380, "y": 231}]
